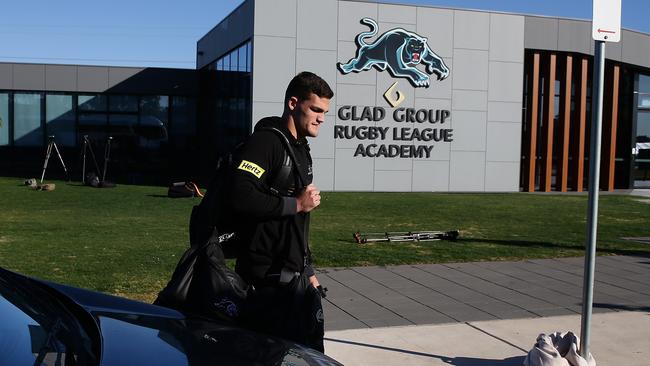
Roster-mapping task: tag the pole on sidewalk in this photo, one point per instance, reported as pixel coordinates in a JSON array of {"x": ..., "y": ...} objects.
[{"x": 594, "y": 185}]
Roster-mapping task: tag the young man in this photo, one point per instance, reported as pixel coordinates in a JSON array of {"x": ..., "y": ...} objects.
[{"x": 270, "y": 196}]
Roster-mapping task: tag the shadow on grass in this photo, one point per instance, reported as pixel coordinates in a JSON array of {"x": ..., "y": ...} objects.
[
  {"x": 457, "y": 361},
  {"x": 546, "y": 244},
  {"x": 621, "y": 307}
]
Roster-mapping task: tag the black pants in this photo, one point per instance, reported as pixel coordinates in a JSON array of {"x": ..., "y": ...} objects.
[{"x": 292, "y": 311}]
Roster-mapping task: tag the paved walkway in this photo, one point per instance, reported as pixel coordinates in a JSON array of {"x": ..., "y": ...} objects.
[{"x": 483, "y": 313}]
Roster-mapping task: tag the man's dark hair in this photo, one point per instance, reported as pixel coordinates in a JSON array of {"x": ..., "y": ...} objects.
[{"x": 306, "y": 83}]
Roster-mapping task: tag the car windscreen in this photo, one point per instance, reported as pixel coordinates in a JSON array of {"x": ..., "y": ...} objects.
[{"x": 36, "y": 328}]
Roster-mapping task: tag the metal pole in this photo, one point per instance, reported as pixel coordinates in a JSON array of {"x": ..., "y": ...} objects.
[{"x": 594, "y": 184}]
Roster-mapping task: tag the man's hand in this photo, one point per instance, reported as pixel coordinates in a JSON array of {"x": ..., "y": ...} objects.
[
  {"x": 321, "y": 290},
  {"x": 314, "y": 281},
  {"x": 308, "y": 199}
]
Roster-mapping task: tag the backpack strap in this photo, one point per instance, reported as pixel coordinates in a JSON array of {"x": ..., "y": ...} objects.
[{"x": 289, "y": 151}]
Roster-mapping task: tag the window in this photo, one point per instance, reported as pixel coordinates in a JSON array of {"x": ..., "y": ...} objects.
[
  {"x": 123, "y": 103},
  {"x": 92, "y": 103},
  {"x": 59, "y": 119},
  {"x": 27, "y": 120},
  {"x": 4, "y": 119},
  {"x": 238, "y": 60}
]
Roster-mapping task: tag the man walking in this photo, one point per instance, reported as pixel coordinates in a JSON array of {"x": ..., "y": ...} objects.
[{"x": 270, "y": 194}]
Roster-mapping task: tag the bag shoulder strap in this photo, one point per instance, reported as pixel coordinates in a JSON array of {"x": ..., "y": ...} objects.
[{"x": 289, "y": 150}]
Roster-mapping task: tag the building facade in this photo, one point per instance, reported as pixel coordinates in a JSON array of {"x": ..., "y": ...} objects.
[
  {"x": 426, "y": 98},
  {"x": 149, "y": 113},
  {"x": 475, "y": 129}
]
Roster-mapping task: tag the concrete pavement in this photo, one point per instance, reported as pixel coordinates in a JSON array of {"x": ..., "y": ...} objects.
[{"x": 484, "y": 313}]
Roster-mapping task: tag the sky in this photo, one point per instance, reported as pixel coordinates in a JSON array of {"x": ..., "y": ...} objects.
[{"x": 163, "y": 33}]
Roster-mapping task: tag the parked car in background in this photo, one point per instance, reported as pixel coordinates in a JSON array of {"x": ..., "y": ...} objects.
[{"x": 44, "y": 323}]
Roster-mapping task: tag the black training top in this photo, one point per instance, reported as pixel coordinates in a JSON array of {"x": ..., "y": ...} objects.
[{"x": 271, "y": 234}]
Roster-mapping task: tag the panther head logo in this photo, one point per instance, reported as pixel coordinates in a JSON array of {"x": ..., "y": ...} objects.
[{"x": 399, "y": 51}]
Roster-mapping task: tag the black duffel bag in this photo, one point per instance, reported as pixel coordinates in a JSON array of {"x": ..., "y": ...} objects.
[{"x": 203, "y": 284}]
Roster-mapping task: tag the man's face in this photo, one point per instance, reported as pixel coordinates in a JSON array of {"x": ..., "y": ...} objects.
[{"x": 308, "y": 114}]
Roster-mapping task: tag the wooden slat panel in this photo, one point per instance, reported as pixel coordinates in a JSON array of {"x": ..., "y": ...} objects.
[
  {"x": 550, "y": 123},
  {"x": 534, "y": 115},
  {"x": 582, "y": 121},
  {"x": 612, "y": 137},
  {"x": 564, "y": 170}
]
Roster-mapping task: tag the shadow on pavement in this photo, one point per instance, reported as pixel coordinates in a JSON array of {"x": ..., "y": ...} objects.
[
  {"x": 528, "y": 243},
  {"x": 456, "y": 361},
  {"x": 621, "y": 307}
]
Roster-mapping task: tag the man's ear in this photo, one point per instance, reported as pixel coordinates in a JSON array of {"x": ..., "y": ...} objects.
[{"x": 292, "y": 103}]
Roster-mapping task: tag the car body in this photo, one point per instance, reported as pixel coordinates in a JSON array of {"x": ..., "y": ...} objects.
[{"x": 44, "y": 323}]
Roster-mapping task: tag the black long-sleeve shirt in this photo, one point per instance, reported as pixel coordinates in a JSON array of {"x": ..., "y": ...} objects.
[{"x": 272, "y": 235}]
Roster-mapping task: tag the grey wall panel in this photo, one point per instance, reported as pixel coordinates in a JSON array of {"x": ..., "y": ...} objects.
[
  {"x": 323, "y": 145},
  {"x": 505, "y": 81},
  {"x": 470, "y": 69},
  {"x": 117, "y": 75},
  {"x": 471, "y": 30},
  {"x": 469, "y": 100},
  {"x": 469, "y": 131},
  {"x": 347, "y": 51},
  {"x": 350, "y": 15},
  {"x": 270, "y": 79},
  {"x": 503, "y": 141},
  {"x": 441, "y": 151},
  {"x": 436, "y": 26},
  {"x": 401, "y": 164},
  {"x": 29, "y": 77},
  {"x": 635, "y": 49},
  {"x": 352, "y": 174},
  {"x": 92, "y": 79},
  {"x": 321, "y": 63},
  {"x": 430, "y": 176},
  {"x": 61, "y": 77},
  {"x": 397, "y": 14},
  {"x": 275, "y": 18},
  {"x": 574, "y": 36},
  {"x": 317, "y": 24},
  {"x": 228, "y": 34},
  {"x": 502, "y": 177},
  {"x": 541, "y": 33},
  {"x": 506, "y": 38},
  {"x": 392, "y": 181},
  {"x": 6, "y": 76},
  {"x": 467, "y": 171},
  {"x": 431, "y": 103},
  {"x": 386, "y": 26},
  {"x": 263, "y": 109},
  {"x": 504, "y": 112},
  {"x": 324, "y": 174},
  {"x": 359, "y": 95}
]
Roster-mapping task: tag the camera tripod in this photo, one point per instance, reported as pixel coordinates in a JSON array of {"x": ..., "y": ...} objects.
[
  {"x": 51, "y": 144},
  {"x": 88, "y": 147}
]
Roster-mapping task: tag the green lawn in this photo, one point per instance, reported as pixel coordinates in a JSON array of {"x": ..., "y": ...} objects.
[{"x": 127, "y": 240}]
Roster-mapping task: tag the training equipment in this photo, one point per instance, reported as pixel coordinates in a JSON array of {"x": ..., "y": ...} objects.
[
  {"x": 51, "y": 144},
  {"x": 91, "y": 178},
  {"x": 363, "y": 238}
]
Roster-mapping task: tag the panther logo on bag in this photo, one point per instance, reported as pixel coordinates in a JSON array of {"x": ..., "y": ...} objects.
[{"x": 399, "y": 51}]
